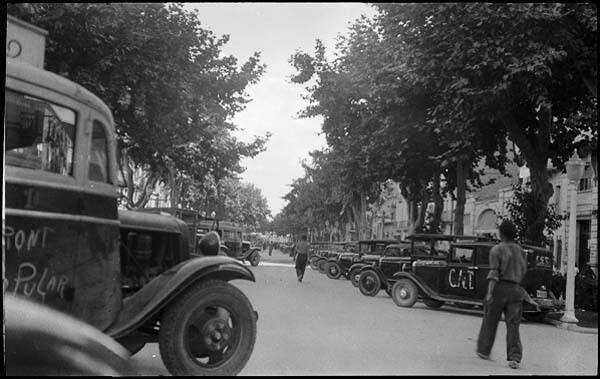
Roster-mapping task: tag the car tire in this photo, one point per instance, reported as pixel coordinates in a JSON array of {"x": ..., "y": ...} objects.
[
  {"x": 322, "y": 263},
  {"x": 334, "y": 271},
  {"x": 535, "y": 316},
  {"x": 369, "y": 283},
  {"x": 254, "y": 259},
  {"x": 405, "y": 293},
  {"x": 313, "y": 263},
  {"x": 354, "y": 275},
  {"x": 432, "y": 303},
  {"x": 211, "y": 321}
]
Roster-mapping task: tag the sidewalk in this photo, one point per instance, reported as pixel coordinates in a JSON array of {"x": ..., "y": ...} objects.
[{"x": 588, "y": 321}]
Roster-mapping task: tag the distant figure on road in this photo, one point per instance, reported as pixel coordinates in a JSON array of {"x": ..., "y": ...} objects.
[
  {"x": 504, "y": 294},
  {"x": 301, "y": 257},
  {"x": 270, "y": 248}
]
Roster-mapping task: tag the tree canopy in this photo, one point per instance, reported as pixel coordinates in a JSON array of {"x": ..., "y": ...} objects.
[{"x": 171, "y": 91}]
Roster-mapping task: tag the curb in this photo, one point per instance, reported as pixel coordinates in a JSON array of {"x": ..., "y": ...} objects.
[{"x": 571, "y": 327}]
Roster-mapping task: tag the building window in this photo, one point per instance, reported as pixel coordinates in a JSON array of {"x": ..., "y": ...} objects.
[{"x": 585, "y": 183}]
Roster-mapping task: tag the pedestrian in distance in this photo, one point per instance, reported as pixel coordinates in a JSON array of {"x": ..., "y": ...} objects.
[
  {"x": 301, "y": 257},
  {"x": 504, "y": 295},
  {"x": 270, "y": 248}
]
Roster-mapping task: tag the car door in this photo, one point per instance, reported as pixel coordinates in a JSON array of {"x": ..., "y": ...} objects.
[
  {"x": 459, "y": 275},
  {"x": 482, "y": 261}
]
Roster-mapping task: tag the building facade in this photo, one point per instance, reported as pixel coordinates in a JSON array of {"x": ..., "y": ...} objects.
[{"x": 485, "y": 206}]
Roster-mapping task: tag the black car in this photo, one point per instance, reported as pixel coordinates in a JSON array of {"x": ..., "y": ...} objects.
[
  {"x": 399, "y": 257},
  {"x": 461, "y": 279},
  {"x": 369, "y": 251}
]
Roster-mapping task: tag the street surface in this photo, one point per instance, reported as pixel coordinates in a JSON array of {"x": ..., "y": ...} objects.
[{"x": 327, "y": 327}]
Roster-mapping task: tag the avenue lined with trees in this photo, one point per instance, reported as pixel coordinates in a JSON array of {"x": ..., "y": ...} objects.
[{"x": 422, "y": 94}]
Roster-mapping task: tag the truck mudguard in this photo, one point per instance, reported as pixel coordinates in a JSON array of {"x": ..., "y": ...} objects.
[{"x": 160, "y": 291}]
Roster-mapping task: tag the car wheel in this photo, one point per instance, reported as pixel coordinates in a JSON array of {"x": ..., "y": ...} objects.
[
  {"x": 354, "y": 275},
  {"x": 535, "y": 316},
  {"x": 369, "y": 283},
  {"x": 404, "y": 293},
  {"x": 432, "y": 303},
  {"x": 313, "y": 263},
  {"x": 210, "y": 329},
  {"x": 322, "y": 263},
  {"x": 254, "y": 259},
  {"x": 334, "y": 271}
]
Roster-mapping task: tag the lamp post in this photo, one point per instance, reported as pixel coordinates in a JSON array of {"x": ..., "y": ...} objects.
[{"x": 575, "y": 167}]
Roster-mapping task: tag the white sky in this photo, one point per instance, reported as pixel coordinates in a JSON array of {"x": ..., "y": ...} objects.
[{"x": 277, "y": 30}]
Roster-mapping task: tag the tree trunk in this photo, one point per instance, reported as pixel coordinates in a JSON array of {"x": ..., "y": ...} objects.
[
  {"x": 439, "y": 205},
  {"x": 424, "y": 200},
  {"x": 461, "y": 196}
]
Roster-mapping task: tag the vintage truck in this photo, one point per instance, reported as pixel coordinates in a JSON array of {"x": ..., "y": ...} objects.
[{"x": 65, "y": 243}]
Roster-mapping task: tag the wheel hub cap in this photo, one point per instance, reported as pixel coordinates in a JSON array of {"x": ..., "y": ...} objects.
[
  {"x": 216, "y": 334},
  {"x": 403, "y": 293}
]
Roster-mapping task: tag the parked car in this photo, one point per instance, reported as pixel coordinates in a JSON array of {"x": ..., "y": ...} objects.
[
  {"x": 335, "y": 266},
  {"x": 399, "y": 257},
  {"x": 250, "y": 253},
  {"x": 131, "y": 275},
  {"x": 462, "y": 279},
  {"x": 319, "y": 252},
  {"x": 369, "y": 251},
  {"x": 396, "y": 257}
]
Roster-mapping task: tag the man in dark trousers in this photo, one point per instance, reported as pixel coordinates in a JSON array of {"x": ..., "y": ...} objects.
[
  {"x": 504, "y": 294},
  {"x": 301, "y": 257}
]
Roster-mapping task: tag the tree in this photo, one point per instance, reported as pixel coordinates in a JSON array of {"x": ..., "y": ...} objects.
[
  {"x": 163, "y": 77},
  {"x": 525, "y": 71},
  {"x": 522, "y": 212}
]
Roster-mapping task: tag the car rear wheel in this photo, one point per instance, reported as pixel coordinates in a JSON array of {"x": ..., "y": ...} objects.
[
  {"x": 432, "y": 303},
  {"x": 354, "y": 276},
  {"x": 404, "y": 293},
  {"x": 369, "y": 283},
  {"x": 210, "y": 329},
  {"x": 254, "y": 259},
  {"x": 322, "y": 263},
  {"x": 313, "y": 263},
  {"x": 334, "y": 271}
]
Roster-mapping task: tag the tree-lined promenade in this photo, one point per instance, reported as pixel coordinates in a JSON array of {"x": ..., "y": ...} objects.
[{"x": 424, "y": 94}]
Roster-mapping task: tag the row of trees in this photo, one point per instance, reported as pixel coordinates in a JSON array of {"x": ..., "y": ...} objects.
[
  {"x": 171, "y": 92},
  {"x": 427, "y": 94}
]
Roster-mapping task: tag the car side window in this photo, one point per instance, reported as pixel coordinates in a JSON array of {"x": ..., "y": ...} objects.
[
  {"x": 483, "y": 256},
  {"x": 462, "y": 255},
  {"x": 98, "y": 166}
]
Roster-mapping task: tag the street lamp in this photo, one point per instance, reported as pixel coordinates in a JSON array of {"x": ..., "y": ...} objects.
[{"x": 575, "y": 167}]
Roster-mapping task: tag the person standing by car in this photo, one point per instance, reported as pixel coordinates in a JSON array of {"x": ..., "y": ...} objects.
[
  {"x": 504, "y": 295},
  {"x": 301, "y": 257}
]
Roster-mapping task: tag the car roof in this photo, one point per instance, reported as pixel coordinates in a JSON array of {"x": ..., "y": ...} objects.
[{"x": 447, "y": 237}]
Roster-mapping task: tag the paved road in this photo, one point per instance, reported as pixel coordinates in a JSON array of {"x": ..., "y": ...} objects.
[{"x": 326, "y": 327}]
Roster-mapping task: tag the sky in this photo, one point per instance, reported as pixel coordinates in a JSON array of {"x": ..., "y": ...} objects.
[{"x": 277, "y": 30}]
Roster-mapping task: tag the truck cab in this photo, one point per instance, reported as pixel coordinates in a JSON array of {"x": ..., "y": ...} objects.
[{"x": 68, "y": 246}]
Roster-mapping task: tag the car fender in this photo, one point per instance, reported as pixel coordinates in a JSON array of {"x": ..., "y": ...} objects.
[
  {"x": 374, "y": 268},
  {"x": 424, "y": 288},
  {"x": 162, "y": 290},
  {"x": 357, "y": 265}
]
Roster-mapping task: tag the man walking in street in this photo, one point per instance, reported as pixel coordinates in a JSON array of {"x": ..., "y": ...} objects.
[
  {"x": 301, "y": 257},
  {"x": 504, "y": 294}
]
